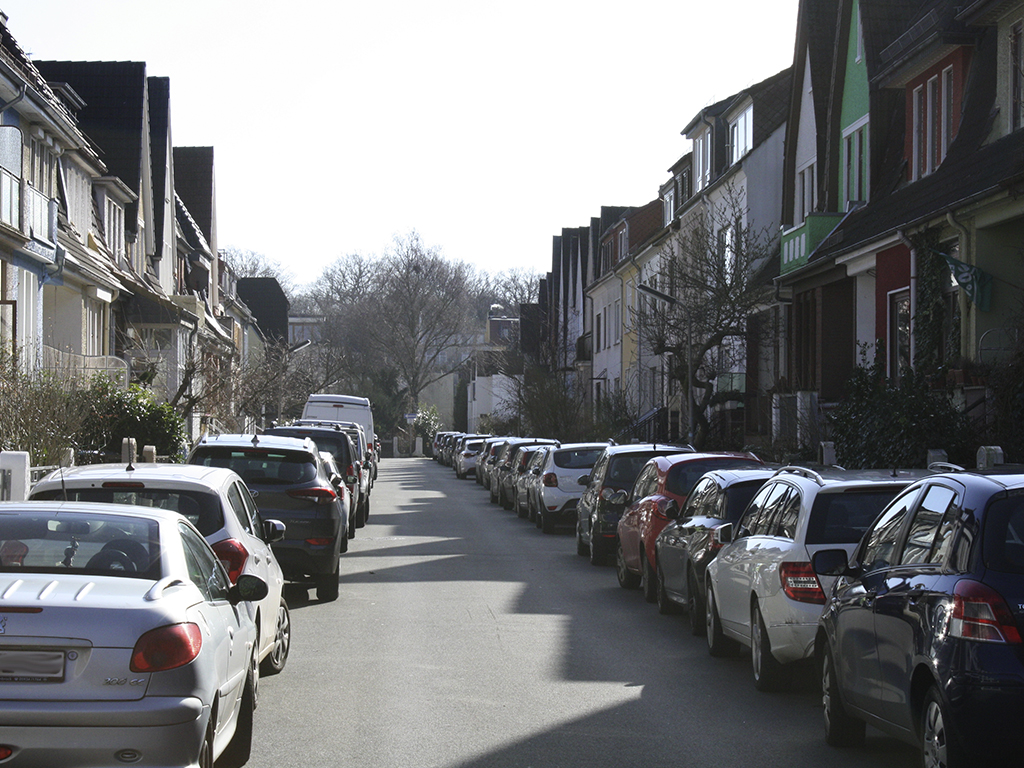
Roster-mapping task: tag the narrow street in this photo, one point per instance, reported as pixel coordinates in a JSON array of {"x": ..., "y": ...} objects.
[{"x": 464, "y": 637}]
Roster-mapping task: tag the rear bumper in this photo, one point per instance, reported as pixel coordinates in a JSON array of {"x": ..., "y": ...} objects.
[{"x": 161, "y": 730}]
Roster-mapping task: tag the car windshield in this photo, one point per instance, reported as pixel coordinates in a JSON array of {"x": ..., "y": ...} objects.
[
  {"x": 333, "y": 444},
  {"x": 684, "y": 475},
  {"x": 63, "y": 542},
  {"x": 202, "y": 509},
  {"x": 582, "y": 458},
  {"x": 842, "y": 518},
  {"x": 259, "y": 466},
  {"x": 1004, "y": 535}
]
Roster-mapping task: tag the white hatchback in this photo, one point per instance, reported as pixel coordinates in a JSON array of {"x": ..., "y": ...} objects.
[
  {"x": 761, "y": 590},
  {"x": 219, "y": 504}
]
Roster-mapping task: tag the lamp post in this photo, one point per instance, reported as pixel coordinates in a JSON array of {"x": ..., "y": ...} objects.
[{"x": 672, "y": 302}]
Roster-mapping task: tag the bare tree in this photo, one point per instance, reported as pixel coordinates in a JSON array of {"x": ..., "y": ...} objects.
[{"x": 715, "y": 276}]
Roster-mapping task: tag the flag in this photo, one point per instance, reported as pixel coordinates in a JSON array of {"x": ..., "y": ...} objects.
[{"x": 976, "y": 283}]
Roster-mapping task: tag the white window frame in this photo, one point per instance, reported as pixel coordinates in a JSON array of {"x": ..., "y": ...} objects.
[
  {"x": 856, "y": 140},
  {"x": 741, "y": 134}
]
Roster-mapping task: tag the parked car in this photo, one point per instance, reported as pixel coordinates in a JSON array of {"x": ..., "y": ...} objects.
[
  {"x": 436, "y": 445},
  {"x": 660, "y": 491},
  {"x": 333, "y": 438},
  {"x": 465, "y": 459},
  {"x": 526, "y": 483},
  {"x": 553, "y": 497},
  {"x": 687, "y": 544},
  {"x": 528, "y": 458},
  {"x": 364, "y": 470},
  {"x": 508, "y": 467},
  {"x": 487, "y": 458},
  {"x": 921, "y": 634},
  {"x": 123, "y": 640},
  {"x": 290, "y": 483},
  {"x": 761, "y": 589},
  {"x": 600, "y": 506},
  {"x": 350, "y": 409},
  {"x": 219, "y": 505}
]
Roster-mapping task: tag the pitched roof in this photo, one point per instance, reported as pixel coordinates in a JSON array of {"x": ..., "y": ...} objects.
[{"x": 194, "y": 181}]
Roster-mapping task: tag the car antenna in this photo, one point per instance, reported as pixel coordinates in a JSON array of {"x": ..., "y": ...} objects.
[
  {"x": 63, "y": 485},
  {"x": 255, "y": 440}
]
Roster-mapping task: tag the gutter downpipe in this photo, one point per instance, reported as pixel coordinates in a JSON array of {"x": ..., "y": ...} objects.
[
  {"x": 965, "y": 256},
  {"x": 913, "y": 293},
  {"x": 22, "y": 92}
]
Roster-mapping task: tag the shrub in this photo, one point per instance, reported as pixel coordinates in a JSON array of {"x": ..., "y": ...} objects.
[
  {"x": 114, "y": 414},
  {"x": 881, "y": 424}
]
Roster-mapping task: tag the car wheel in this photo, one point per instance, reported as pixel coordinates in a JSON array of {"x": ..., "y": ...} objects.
[
  {"x": 366, "y": 509},
  {"x": 627, "y": 579},
  {"x": 769, "y": 674},
  {"x": 938, "y": 744},
  {"x": 695, "y": 606},
  {"x": 718, "y": 644},
  {"x": 343, "y": 548},
  {"x": 520, "y": 511},
  {"x": 352, "y": 524},
  {"x": 665, "y": 604},
  {"x": 237, "y": 752},
  {"x": 595, "y": 552},
  {"x": 649, "y": 581},
  {"x": 278, "y": 656},
  {"x": 545, "y": 522},
  {"x": 328, "y": 585},
  {"x": 458, "y": 473},
  {"x": 205, "y": 759},
  {"x": 581, "y": 546},
  {"x": 841, "y": 730}
]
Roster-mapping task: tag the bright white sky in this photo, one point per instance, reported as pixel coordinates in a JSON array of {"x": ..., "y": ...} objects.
[{"x": 486, "y": 127}]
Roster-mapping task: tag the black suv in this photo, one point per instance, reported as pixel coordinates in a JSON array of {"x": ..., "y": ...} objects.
[
  {"x": 289, "y": 481},
  {"x": 598, "y": 513},
  {"x": 921, "y": 635}
]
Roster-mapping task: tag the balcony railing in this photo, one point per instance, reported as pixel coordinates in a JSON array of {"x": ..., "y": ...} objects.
[
  {"x": 83, "y": 367},
  {"x": 42, "y": 216},
  {"x": 10, "y": 199},
  {"x": 799, "y": 242}
]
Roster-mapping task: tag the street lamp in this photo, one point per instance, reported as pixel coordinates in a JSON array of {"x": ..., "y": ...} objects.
[{"x": 672, "y": 302}]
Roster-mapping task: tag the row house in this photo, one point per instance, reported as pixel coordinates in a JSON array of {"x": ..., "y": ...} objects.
[
  {"x": 108, "y": 252},
  {"x": 907, "y": 250}
]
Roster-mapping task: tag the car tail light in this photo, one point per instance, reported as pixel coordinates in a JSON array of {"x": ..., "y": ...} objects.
[
  {"x": 550, "y": 480},
  {"x": 234, "y": 555},
  {"x": 800, "y": 583},
  {"x": 319, "y": 495},
  {"x": 166, "y": 648},
  {"x": 980, "y": 613},
  {"x": 5, "y": 752}
]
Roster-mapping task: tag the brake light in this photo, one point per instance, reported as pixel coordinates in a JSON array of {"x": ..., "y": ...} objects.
[
  {"x": 980, "y": 613},
  {"x": 549, "y": 480},
  {"x": 800, "y": 583},
  {"x": 318, "y": 495},
  {"x": 234, "y": 555},
  {"x": 166, "y": 648},
  {"x": 123, "y": 484}
]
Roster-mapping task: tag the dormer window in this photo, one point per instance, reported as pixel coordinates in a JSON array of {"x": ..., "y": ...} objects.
[
  {"x": 43, "y": 162},
  {"x": 669, "y": 200},
  {"x": 855, "y": 163},
  {"x": 932, "y": 112},
  {"x": 113, "y": 223},
  {"x": 741, "y": 135},
  {"x": 702, "y": 160}
]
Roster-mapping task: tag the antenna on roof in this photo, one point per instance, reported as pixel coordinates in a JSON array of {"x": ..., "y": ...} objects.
[{"x": 255, "y": 440}]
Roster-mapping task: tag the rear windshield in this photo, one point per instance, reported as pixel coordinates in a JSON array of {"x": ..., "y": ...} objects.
[
  {"x": 842, "y": 518},
  {"x": 623, "y": 470},
  {"x": 582, "y": 458},
  {"x": 259, "y": 466},
  {"x": 473, "y": 445},
  {"x": 683, "y": 476},
  {"x": 1004, "y": 535},
  {"x": 336, "y": 445},
  {"x": 202, "y": 509},
  {"x": 738, "y": 496},
  {"x": 62, "y": 542}
]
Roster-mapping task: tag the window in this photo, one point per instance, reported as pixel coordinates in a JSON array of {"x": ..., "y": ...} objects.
[
  {"x": 880, "y": 544},
  {"x": 806, "y": 194},
  {"x": 670, "y": 206},
  {"x": 1016, "y": 74},
  {"x": 930, "y": 536},
  {"x": 597, "y": 332},
  {"x": 932, "y": 111},
  {"x": 741, "y": 135},
  {"x": 702, "y": 159},
  {"x": 623, "y": 243},
  {"x": 94, "y": 312},
  {"x": 617, "y": 321},
  {"x": 855, "y": 163},
  {"x": 899, "y": 334},
  {"x": 114, "y": 225},
  {"x": 42, "y": 165}
]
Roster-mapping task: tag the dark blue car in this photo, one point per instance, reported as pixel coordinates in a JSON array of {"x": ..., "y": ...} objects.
[{"x": 921, "y": 635}]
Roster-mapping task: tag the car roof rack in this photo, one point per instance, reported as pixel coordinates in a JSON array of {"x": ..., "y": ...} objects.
[
  {"x": 810, "y": 474},
  {"x": 945, "y": 466}
]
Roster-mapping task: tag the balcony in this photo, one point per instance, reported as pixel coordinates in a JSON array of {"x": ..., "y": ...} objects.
[
  {"x": 10, "y": 199},
  {"x": 42, "y": 216},
  {"x": 73, "y": 366},
  {"x": 585, "y": 348},
  {"x": 799, "y": 242}
]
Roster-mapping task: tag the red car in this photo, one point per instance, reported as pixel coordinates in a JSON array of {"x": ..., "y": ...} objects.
[{"x": 658, "y": 494}]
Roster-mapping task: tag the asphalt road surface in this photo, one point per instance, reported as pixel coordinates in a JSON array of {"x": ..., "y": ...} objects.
[{"x": 466, "y": 638}]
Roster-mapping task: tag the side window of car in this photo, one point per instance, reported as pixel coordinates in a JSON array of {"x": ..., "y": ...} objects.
[
  {"x": 931, "y": 532},
  {"x": 238, "y": 507},
  {"x": 700, "y": 502},
  {"x": 763, "y": 524},
  {"x": 880, "y": 543},
  {"x": 756, "y": 507},
  {"x": 203, "y": 569},
  {"x": 787, "y": 515},
  {"x": 599, "y": 470}
]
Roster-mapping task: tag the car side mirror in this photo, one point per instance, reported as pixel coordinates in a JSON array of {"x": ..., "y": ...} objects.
[
  {"x": 724, "y": 533},
  {"x": 583, "y": 480},
  {"x": 351, "y": 479},
  {"x": 671, "y": 510},
  {"x": 273, "y": 530},
  {"x": 832, "y": 562},
  {"x": 248, "y": 588},
  {"x": 619, "y": 497},
  {"x": 336, "y": 480}
]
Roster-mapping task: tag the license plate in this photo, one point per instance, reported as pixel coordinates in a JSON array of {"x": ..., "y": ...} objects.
[{"x": 31, "y": 666}]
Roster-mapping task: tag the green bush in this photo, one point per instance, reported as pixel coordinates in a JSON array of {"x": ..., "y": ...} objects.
[
  {"x": 114, "y": 414},
  {"x": 881, "y": 424}
]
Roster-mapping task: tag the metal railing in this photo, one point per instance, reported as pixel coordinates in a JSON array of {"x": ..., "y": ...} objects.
[{"x": 74, "y": 365}]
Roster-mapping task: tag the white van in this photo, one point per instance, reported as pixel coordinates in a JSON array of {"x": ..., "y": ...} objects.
[{"x": 344, "y": 408}]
